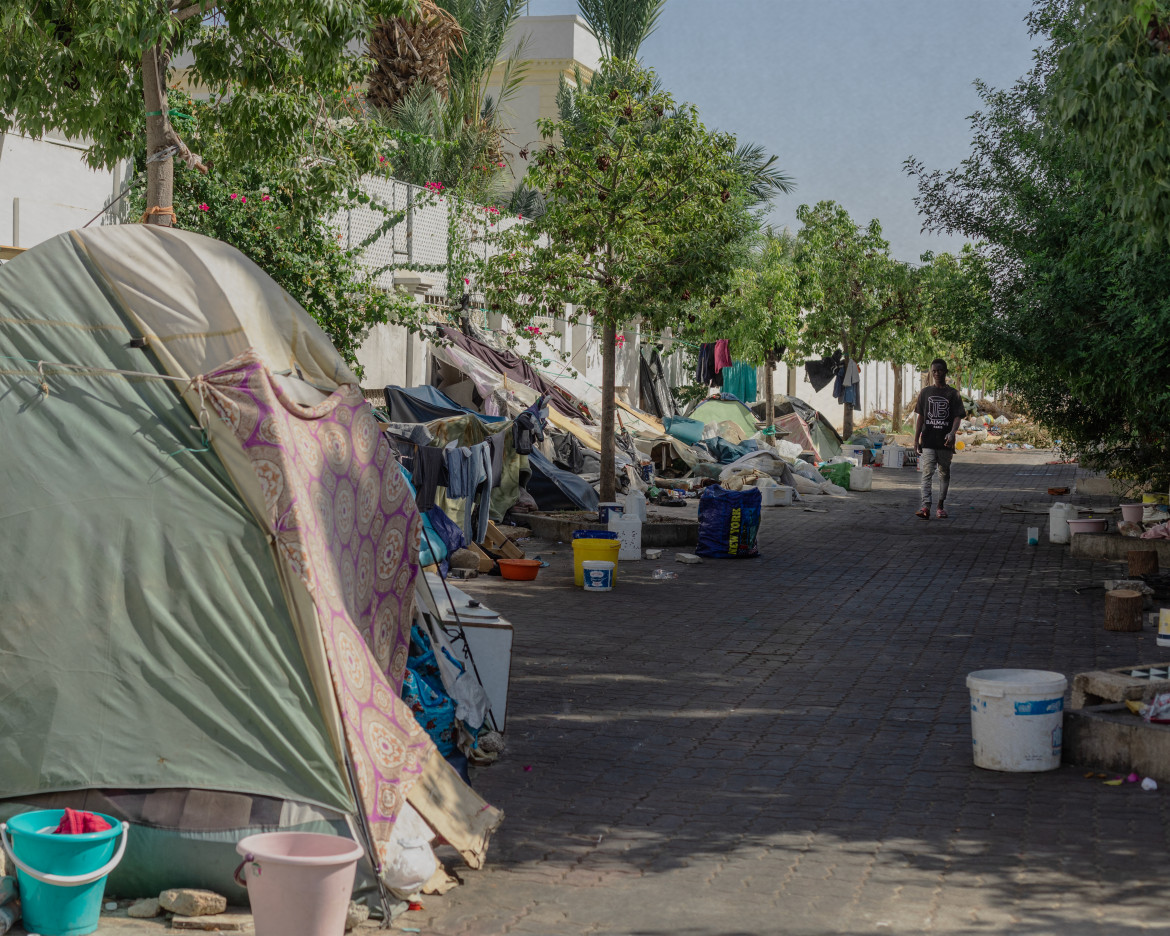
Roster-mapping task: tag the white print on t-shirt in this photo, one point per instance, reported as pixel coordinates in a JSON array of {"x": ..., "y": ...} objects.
[{"x": 937, "y": 412}]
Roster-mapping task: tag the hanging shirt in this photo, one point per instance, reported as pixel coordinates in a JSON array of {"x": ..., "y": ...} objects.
[
  {"x": 460, "y": 473},
  {"x": 722, "y": 354},
  {"x": 426, "y": 474}
]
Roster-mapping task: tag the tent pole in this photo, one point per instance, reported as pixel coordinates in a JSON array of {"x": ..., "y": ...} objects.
[
  {"x": 364, "y": 820},
  {"x": 459, "y": 624}
]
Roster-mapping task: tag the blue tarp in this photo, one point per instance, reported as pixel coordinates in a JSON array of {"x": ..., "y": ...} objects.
[
  {"x": 683, "y": 429},
  {"x": 422, "y": 404},
  {"x": 554, "y": 489},
  {"x": 725, "y": 451}
]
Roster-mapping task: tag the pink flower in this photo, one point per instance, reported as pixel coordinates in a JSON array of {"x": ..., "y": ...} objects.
[
  {"x": 435, "y": 187},
  {"x": 381, "y": 159},
  {"x": 203, "y": 207},
  {"x": 520, "y": 217},
  {"x": 233, "y": 196},
  {"x": 466, "y": 281},
  {"x": 500, "y": 165},
  {"x": 243, "y": 199},
  {"x": 265, "y": 198}
]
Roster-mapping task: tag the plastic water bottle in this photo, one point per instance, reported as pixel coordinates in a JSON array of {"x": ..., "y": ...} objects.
[{"x": 635, "y": 505}]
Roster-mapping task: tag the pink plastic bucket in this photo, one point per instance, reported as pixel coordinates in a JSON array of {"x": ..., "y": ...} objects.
[
  {"x": 1132, "y": 512},
  {"x": 299, "y": 883}
]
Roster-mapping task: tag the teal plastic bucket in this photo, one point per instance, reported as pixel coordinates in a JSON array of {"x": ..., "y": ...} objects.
[{"x": 62, "y": 877}]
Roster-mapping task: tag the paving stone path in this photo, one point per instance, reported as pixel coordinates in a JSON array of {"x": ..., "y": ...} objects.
[{"x": 782, "y": 745}]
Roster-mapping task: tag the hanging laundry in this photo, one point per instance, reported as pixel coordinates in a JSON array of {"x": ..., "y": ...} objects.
[
  {"x": 428, "y": 472},
  {"x": 496, "y": 446},
  {"x": 722, "y": 354},
  {"x": 740, "y": 380},
  {"x": 821, "y": 372},
  {"x": 461, "y": 474}
]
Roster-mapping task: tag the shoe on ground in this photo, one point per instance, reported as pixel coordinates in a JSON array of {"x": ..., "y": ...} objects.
[
  {"x": 941, "y": 514},
  {"x": 923, "y": 514}
]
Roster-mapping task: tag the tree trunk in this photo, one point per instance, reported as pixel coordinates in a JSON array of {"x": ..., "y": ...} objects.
[
  {"x": 1142, "y": 562},
  {"x": 608, "y": 411},
  {"x": 770, "y": 403},
  {"x": 1123, "y": 610},
  {"x": 160, "y": 175},
  {"x": 847, "y": 422},
  {"x": 790, "y": 384},
  {"x": 896, "y": 421}
]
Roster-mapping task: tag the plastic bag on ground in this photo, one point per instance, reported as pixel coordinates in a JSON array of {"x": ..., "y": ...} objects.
[
  {"x": 407, "y": 859},
  {"x": 834, "y": 489},
  {"x": 789, "y": 451},
  {"x": 728, "y": 523},
  {"x": 471, "y": 702},
  {"x": 805, "y": 485}
]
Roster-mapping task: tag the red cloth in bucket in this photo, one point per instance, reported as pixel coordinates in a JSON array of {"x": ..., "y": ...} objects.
[{"x": 78, "y": 823}]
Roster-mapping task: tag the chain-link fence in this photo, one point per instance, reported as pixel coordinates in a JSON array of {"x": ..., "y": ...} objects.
[{"x": 419, "y": 239}]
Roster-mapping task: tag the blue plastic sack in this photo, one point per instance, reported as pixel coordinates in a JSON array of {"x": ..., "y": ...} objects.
[{"x": 728, "y": 523}]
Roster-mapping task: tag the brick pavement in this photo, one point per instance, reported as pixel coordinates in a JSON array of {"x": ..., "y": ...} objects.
[{"x": 782, "y": 745}]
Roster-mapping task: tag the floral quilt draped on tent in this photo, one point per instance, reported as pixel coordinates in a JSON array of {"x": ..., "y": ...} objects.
[{"x": 346, "y": 526}]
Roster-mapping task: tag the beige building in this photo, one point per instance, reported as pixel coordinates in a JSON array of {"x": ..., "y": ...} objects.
[{"x": 554, "y": 46}]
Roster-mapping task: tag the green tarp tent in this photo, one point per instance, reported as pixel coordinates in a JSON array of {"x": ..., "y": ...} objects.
[
  {"x": 715, "y": 411},
  {"x": 163, "y": 655}
]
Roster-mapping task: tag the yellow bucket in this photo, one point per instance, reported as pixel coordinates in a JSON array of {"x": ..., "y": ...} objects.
[{"x": 599, "y": 550}]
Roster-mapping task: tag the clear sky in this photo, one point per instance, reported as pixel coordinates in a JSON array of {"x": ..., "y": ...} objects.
[{"x": 842, "y": 91}]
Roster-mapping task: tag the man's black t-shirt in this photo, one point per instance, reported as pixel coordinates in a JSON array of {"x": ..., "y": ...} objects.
[{"x": 937, "y": 408}]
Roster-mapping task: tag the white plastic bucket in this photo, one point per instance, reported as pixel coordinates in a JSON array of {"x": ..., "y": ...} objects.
[
  {"x": 1017, "y": 719},
  {"x": 598, "y": 576},
  {"x": 1058, "y": 517}
]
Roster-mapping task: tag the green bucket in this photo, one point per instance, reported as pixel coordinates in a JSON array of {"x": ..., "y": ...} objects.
[{"x": 62, "y": 877}]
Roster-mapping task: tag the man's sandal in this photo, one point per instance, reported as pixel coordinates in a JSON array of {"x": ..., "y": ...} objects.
[
  {"x": 923, "y": 514},
  {"x": 941, "y": 514}
]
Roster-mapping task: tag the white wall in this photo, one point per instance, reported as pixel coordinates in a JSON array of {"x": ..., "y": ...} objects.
[
  {"x": 46, "y": 188},
  {"x": 554, "y": 45}
]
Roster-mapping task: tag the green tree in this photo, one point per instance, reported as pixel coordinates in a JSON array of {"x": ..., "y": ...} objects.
[
  {"x": 760, "y": 313},
  {"x": 856, "y": 297},
  {"x": 1080, "y": 305},
  {"x": 100, "y": 69},
  {"x": 306, "y": 256},
  {"x": 621, "y": 26},
  {"x": 1111, "y": 91},
  {"x": 644, "y": 209}
]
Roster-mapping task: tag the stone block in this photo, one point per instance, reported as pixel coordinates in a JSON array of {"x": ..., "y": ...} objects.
[
  {"x": 1112, "y": 739},
  {"x": 237, "y": 921},
  {"x": 192, "y": 903},
  {"x": 144, "y": 909}
]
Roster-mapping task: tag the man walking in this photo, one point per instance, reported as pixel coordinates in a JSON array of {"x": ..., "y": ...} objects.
[{"x": 939, "y": 412}]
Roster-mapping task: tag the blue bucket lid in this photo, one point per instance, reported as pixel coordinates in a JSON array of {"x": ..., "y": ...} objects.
[{"x": 594, "y": 534}]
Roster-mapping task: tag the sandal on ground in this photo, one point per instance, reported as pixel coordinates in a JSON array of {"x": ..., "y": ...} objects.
[
  {"x": 941, "y": 514},
  {"x": 923, "y": 514}
]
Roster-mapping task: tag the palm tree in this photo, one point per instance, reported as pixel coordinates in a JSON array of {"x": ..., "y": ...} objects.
[
  {"x": 621, "y": 26},
  {"x": 409, "y": 52},
  {"x": 443, "y": 95}
]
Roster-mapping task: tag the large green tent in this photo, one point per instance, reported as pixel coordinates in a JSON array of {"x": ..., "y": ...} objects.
[{"x": 186, "y": 643}]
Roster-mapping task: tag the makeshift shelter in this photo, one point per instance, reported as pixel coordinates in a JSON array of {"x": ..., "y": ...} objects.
[
  {"x": 716, "y": 410},
  {"x": 656, "y": 396},
  {"x": 805, "y": 426},
  {"x": 422, "y": 404},
  {"x": 207, "y": 568}
]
